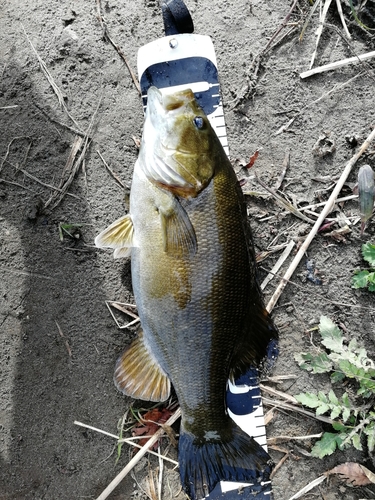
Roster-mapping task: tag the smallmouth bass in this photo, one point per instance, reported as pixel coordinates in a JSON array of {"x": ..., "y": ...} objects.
[{"x": 202, "y": 315}]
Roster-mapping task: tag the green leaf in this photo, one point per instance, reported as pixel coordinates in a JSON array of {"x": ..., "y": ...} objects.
[
  {"x": 308, "y": 399},
  {"x": 356, "y": 441},
  {"x": 371, "y": 441},
  {"x": 354, "y": 13},
  {"x": 359, "y": 280},
  {"x": 337, "y": 376},
  {"x": 303, "y": 359},
  {"x": 370, "y": 432},
  {"x": 371, "y": 281},
  {"x": 335, "y": 412},
  {"x": 345, "y": 414},
  {"x": 322, "y": 397},
  {"x": 319, "y": 363},
  {"x": 332, "y": 397},
  {"x": 323, "y": 408},
  {"x": 338, "y": 426},
  {"x": 331, "y": 335},
  {"x": 327, "y": 445},
  {"x": 368, "y": 252},
  {"x": 350, "y": 370}
]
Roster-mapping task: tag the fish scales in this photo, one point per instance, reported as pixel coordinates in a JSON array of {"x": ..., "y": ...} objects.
[
  {"x": 202, "y": 324},
  {"x": 194, "y": 280}
]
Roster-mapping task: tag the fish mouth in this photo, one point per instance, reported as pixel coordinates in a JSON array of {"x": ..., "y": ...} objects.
[{"x": 169, "y": 101}]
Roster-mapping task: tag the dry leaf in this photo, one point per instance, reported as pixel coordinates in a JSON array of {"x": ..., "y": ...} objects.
[
  {"x": 338, "y": 234},
  {"x": 151, "y": 422},
  {"x": 253, "y": 158},
  {"x": 354, "y": 474}
]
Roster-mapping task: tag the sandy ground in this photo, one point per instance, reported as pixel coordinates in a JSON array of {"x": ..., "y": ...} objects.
[{"x": 58, "y": 340}]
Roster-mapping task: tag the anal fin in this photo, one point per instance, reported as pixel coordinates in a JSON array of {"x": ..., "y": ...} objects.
[{"x": 137, "y": 374}]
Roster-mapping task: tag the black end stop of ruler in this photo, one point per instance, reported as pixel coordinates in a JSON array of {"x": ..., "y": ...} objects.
[{"x": 176, "y": 17}]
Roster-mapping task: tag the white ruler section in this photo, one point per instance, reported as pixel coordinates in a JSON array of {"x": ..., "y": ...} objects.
[{"x": 176, "y": 62}]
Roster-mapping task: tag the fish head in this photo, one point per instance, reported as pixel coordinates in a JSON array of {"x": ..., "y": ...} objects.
[{"x": 179, "y": 147}]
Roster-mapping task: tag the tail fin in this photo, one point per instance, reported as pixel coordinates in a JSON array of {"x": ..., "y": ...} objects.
[{"x": 203, "y": 465}]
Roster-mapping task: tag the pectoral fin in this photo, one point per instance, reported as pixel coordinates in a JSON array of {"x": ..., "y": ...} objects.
[
  {"x": 118, "y": 235},
  {"x": 178, "y": 233},
  {"x": 138, "y": 375}
]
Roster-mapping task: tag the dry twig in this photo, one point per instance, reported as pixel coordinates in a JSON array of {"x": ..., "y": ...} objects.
[
  {"x": 338, "y": 64},
  {"x": 51, "y": 81},
  {"x": 65, "y": 340},
  {"x": 320, "y": 29},
  {"x": 278, "y": 264},
  {"x": 114, "y": 175}
]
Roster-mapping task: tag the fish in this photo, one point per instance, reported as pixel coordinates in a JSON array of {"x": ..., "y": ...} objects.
[{"x": 203, "y": 319}]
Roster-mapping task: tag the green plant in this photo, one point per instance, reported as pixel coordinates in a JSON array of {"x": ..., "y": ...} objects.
[
  {"x": 366, "y": 278},
  {"x": 72, "y": 230},
  {"x": 353, "y": 415}
]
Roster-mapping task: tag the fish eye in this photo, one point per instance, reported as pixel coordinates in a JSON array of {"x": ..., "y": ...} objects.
[{"x": 199, "y": 122}]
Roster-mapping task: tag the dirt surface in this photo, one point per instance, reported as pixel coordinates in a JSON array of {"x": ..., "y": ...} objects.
[{"x": 58, "y": 340}]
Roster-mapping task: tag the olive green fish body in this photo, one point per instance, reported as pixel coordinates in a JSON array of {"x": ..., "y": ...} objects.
[
  {"x": 193, "y": 272},
  {"x": 195, "y": 310}
]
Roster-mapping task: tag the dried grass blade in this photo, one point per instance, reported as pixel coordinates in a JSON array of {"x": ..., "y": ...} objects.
[
  {"x": 281, "y": 439},
  {"x": 106, "y": 36},
  {"x": 288, "y": 406},
  {"x": 278, "y": 264},
  {"x": 341, "y": 14},
  {"x": 320, "y": 30},
  {"x": 69, "y": 167},
  {"x": 16, "y": 184},
  {"x": 311, "y": 13},
  {"x": 308, "y": 487},
  {"x": 283, "y": 203},
  {"x": 114, "y": 175},
  {"x": 51, "y": 81},
  {"x": 285, "y": 167},
  {"x": 280, "y": 394},
  {"x": 338, "y": 64},
  {"x": 136, "y": 319},
  {"x": 49, "y": 186},
  {"x": 129, "y": 441}
]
